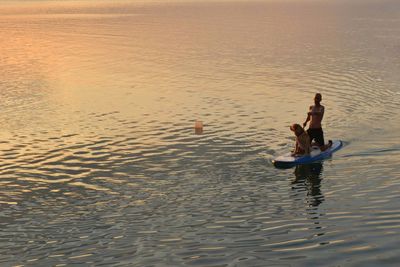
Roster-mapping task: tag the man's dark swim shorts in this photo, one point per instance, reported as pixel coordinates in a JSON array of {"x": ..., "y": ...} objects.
[{"x": 316, "y": 134}]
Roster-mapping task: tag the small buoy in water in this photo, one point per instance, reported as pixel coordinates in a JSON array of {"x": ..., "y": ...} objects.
[{"x": 198, "y": 127}]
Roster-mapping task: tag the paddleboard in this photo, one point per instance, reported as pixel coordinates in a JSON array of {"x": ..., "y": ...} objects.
[{"x": 316, "y": 154}]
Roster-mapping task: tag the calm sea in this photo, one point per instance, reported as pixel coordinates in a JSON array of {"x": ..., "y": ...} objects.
[{"x": 100, "y": 164}]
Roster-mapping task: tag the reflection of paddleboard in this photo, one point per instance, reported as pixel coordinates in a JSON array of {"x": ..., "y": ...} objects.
[{"x": 316, "y": 154}]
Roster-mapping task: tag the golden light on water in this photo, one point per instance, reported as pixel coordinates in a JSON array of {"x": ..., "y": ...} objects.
[{"x": 101, "y": 102}]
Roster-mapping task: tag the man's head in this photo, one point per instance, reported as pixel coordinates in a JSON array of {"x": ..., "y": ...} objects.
[{"x": 317, "y": 98}]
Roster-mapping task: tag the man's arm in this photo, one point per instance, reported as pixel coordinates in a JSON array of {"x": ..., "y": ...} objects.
[
  {"x": 308, "y": 117},
  {"x": 322, "y": 112}
]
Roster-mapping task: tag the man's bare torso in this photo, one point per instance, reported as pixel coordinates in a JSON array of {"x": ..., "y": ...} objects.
[{"x": 316, "y": 114}]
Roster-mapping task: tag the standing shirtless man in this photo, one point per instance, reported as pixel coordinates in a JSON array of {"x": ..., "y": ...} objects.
[{"x": 315, "y": 116}]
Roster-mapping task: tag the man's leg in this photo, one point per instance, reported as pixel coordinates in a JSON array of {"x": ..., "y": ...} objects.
[
  {"x": 319, "y": 137},
  {"x": 311, "y": 135}
]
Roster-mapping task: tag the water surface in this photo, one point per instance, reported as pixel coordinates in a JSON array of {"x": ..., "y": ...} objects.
[{"x": 100, "y": 164}]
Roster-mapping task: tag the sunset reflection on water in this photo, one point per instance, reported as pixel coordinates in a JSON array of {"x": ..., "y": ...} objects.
[{"x": 101, "y": 163}]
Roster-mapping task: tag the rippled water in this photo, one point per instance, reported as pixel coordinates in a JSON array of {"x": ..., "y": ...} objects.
[{"x": 100, "y": 164}]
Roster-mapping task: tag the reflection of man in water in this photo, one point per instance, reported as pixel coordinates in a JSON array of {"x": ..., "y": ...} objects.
[{"x": 308, "y": 176}]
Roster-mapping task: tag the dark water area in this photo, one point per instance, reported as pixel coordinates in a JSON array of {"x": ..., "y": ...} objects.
[{"x": 100, "y": 164}]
